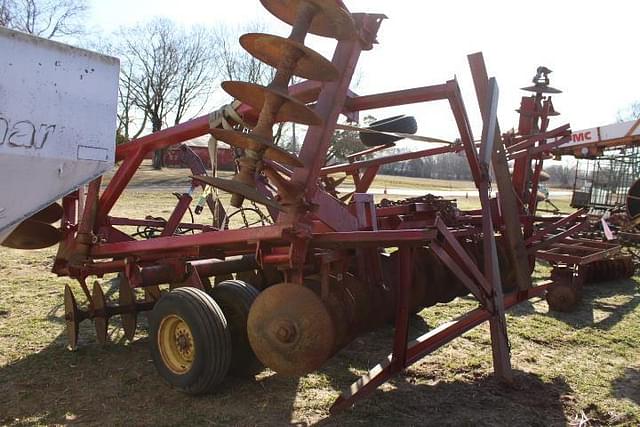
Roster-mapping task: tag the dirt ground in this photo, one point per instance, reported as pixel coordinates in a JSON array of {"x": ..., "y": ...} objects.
[{"x": 580, "y": 368}]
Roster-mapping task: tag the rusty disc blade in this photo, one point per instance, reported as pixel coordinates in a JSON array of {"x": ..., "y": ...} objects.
[
  {"x": 256, "y": 143},
  {"x": 71, "y": 318},
  {"x": 49, "y": 215},
  {"x": 332, "y": 19},
  {"x": 32, "y": 235},
  {"x": 100, "y": 320},
  {"x": 541, "y": 89},
  {"x": 127, "y": 298},
  {"x": 236, "y": 187},
  {"x": 272, "y": 49},
  {"x": 291, "y": 110},
  {"x": 290, "y": 329},
  {"x": 562, "y": 297}
]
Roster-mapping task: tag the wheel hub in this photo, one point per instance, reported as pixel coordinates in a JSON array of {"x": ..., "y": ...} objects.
[{"x": 176, "y": 345}]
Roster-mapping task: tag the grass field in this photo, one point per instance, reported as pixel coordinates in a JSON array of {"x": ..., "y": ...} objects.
[{"x": 570, "y": 368}]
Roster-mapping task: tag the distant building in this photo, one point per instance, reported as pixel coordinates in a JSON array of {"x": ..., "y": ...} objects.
[{"x": 200, "y": 146}]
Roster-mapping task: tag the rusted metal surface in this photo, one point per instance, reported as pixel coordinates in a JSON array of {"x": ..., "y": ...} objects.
[
  {"x": 291, "y": 330},
  {"x": 604, "y": 270},
  {"x": 273, "y": 102},
  {"x": 567, "y": 292},
  {"x": 333, "y": 19},
  {"x": 269, "y": 49},
  {"x": 32, "y": 234},
  {"x": 50, "y": 214},
  {"x": 127, "y": 300},
  {"x": 291, "y": 110},
  {"x": 100, "y": 315},
  {"x": 72, "y": 318}
]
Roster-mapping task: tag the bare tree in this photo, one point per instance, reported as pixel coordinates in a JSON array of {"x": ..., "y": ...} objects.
[
  {"x": 165, "y": 71},
  {"x": 235, "y": 62},
  {"x": 631, "y": 112},
  {"x": 44, "y": 18},
  {"x": 127, "y": 108},
  {"x": 196, "y": 67},
  {"x": 6, "y": 12}
]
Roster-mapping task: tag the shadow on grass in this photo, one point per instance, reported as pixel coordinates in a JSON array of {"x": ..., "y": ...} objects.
[
  {"x": 583, "y": 316},
  {"x": 118, "y": 384},
  {"x": 627, "y": 386},
  {"x": 423, "y": 400}
]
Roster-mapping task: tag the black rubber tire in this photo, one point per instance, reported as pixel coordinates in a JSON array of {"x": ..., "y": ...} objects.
[
  {"x": 235, "y": 297},
  {"x": 211, "y": 337},
  {"x": 402, "y": 124}
]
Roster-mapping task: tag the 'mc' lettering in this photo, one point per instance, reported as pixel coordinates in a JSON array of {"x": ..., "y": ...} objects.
[{"x": 582, "y": 136}]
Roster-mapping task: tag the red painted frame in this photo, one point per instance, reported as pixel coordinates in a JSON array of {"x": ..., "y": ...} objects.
[{"x": 325, "y": 222}]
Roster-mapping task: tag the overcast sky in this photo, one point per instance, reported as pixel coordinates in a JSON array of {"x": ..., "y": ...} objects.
[{"x": 591, "y": 46}]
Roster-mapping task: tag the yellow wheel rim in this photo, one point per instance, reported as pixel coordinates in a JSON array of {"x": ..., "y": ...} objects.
[{"x": 176, "y": 345}]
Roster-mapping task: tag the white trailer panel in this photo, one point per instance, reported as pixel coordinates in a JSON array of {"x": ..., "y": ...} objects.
[
  {"x": 603, "y": 133},
  {"x": 57, "y": 122}
]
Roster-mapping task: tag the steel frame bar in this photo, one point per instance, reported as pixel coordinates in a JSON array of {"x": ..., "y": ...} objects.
[
  {"x": 400, "y": 97},
  {"x": 448, "y": 261},
  {"x": 540, "y": 149},
  {"x": 557, "y": 257},
  {"x": 508, "y": 202},
  {"x": 330, "y": 104},
  {"x": 152, "y": 223},
  {"x": 427, "y": 343},
  {"x": 399, "y": 355},
  {"x": 382, "y": 238},
  {"x": 171, "y": 243},
  {"x": 366, "y": 179},
  {"x": 354, "y": 156},
  {"x": 463, "y": 260},
  {"x": 354, "y": 166},
  {"x": 497, "y": 322},
  {"x": 554, "y": 226},
  {"x": 176, "y": 215},
  {"x": 528, "y": 141},
  {"x": 532, "y": 206},
  {"x": 566, "y": 233},
  {"x": 464, "y": 128}
]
